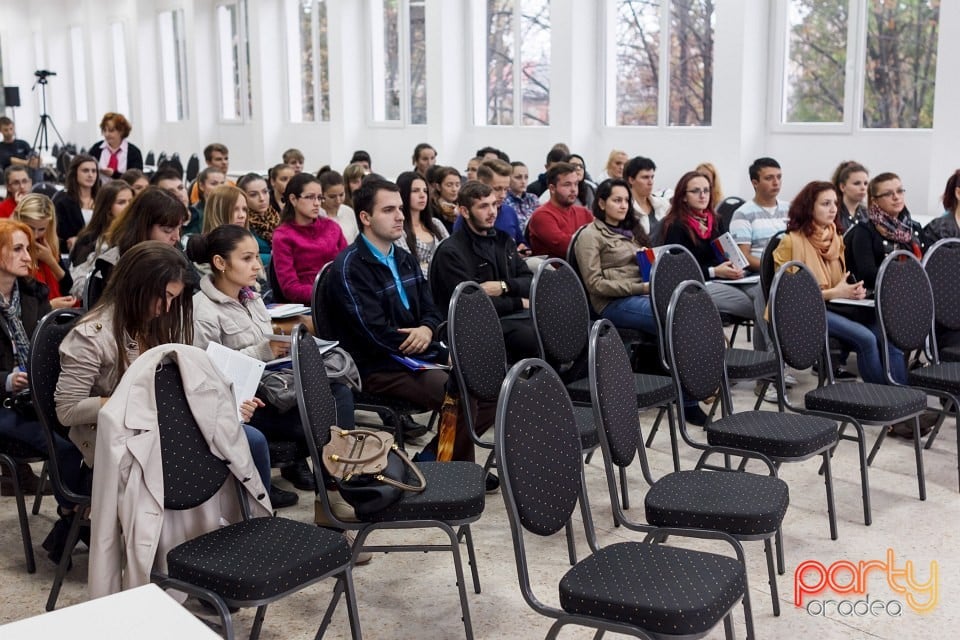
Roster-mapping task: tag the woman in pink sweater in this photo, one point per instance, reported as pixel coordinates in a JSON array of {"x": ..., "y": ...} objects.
[{"x": 304, "y": 241}]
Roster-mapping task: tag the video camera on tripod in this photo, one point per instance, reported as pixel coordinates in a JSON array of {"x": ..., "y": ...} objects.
[
  {"x": 41, "y": 140},
  {"x": 42, "y": 75}
]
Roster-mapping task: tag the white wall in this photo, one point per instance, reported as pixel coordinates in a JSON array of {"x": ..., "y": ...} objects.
[{"x": 740, "y": 130}]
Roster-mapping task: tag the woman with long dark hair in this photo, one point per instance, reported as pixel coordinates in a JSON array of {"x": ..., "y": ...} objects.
[
  {"x": 421, "y": 231},
  {"x": 75, "y": 204},
  {"x": 305, "y": 240},
  {"x": 851, "y": 180}
]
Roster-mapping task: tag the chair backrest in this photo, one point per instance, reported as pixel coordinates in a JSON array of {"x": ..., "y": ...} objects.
[
  {"x": 538, "y": 449},
  {"x": 561, "y": 317},
  {"x": 575, "y": 265},
  {"x": 322, "y": 326},
  {"x": 44, "y": 374},
  {"x": 150, "y": 159},
  {"x": 695, "y": 343},
  {"x": 798, "y": 317},
  {"x": 275, "y": 284},
  {"x": 674, "y": 264},
  {"x": 318, "y": 409},
  {"x": 614, "y": 396},
  {"x": 477, "y": 347},
  {"x": 191, "y": 473},
  {"x": 768, "y": 267},
  {"x": 161, "y": 159},
  {"x": 904, "y": 301},
  {"x": 46, "y": 188},
  {"x": 96, "y": 283},
  {"x": 193, "y": 167},
  {"x": 942, "y": 264},
  {"x": 726, "y": 209}
]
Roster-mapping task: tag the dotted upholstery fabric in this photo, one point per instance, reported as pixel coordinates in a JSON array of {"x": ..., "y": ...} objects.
[
  {"x": 698, "y": 345},
  {"x": 258, "y": 559},
  {"x": 651, "y": 390},
  {"x": 191, "y": 473},
  {"x": 662, "y": 589},
  {"x": 561, "y": 316},
  {"x": 943, "y": 377},
  {"x": 476, "y": 340},
  {"x": 798, "y": 310},
  {"x": 541, "y": 452},
  {"x": 744, "y": 504},
  {"x": 398, "y": 404},
  {"x": 313, "y": 390},
  {"x": 455, "y": 491},
  {"x": 673, "y": 266},
  {"x": 45, "y": 364},
  {"x": 867, "y": 402},
  {"x": 776, "y": 435},
  {"x": 283, "y": 452},
  {"x": 950, "y": 354},
  {"x": 905, "y": 300},
  {"x": 942, "y": 265},
  {"x": 620, "y": 420},
  {"x": 747, "y": 364},
  {"x": 586, "y": 427}
]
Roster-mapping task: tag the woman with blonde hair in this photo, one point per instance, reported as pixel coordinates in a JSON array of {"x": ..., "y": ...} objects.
[
  {"x": 716, "y": 193},
  {"x": 38, "y": 212},
  {"x": 226, "y": 204},
  {"x": 352, "y": 177}
]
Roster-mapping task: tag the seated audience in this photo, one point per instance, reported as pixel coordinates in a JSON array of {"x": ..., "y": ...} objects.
[
  {"x": 294, "y": 159},
  {"x": 217, "y": 157},
  {"x": 496, "y": 175},
  {"x": 650, "y": 209},
  {"x": 480, "y": 252},
  {"x": 554, "y": 156},
  {"x": 616, "y": 161},
  {"x": 946, "y": 225},
  {"x": 716, "y": 193},
  {"x": 75, "y": 203},
  {"x": 37, "y": 212},
  {"x": 585, "y": 187},
  {"x": 207, "y": 180},
  {"x": 114, "y": 196},
  {"x": 353, "y": 175},
  {"x": 523, "y": 202},
  {"x": 472, "y": 165},
  {"x": 24, "y": 302},
  {"x": 422, "y": 232},
  {"x": 424, "y": 157},
  {"x": 137, "y": 180},
  {"x": 261, "y": 218},
  {"x": 888, "y": 227},
  {"x": 362, "y": 158},
  {"x": 19, "y": 183},
  {"x": 304, "y": 241},
  {"x": 553, "y": 224},
  {"x": 332, "y": 203},
  {"x": 170, "y": 180},
  {"x": 851, "y": 180},
  {"x": 444, "y": 184}
]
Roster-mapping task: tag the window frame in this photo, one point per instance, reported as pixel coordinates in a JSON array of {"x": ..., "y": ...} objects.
[
  {"x": 376, "y": 52},
  {"x": 78, "y": 68},
  {"x": 241, "y": 68},
  {"x": 854, "y": 83},
  {"x": 181, "y": 84}
]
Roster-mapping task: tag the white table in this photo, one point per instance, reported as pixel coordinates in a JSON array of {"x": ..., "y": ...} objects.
[{"x": 144, "y": 613}]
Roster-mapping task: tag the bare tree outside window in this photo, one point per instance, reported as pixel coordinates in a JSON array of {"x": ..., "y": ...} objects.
[
  {"x": 399, "y": 60},
  {"x": 639, "y": 47},
  {"x": 900, "y": 61},
  {"x": 390, "y": 61},
  {"x": 307, "y": 52},
  {"x": 514, "y": 25},
  {"x": 418, "y": 62}
]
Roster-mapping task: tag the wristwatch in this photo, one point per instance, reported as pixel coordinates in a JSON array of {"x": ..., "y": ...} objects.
[{"x": 503, "y": 287}]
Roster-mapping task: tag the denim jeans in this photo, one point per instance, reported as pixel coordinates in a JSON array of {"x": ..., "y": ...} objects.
[
  {"x": 865, "y": 341},
  {"x": 631, "y": 312}
]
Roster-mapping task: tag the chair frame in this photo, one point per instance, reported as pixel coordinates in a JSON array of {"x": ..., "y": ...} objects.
[
  {"x": 826, "y": 367},
  {"x": 953, "y": 245},
  {"x": 654, "y": 535},
  {"x": 51, "y": 424},
  {"x": 951, "y": 400},
  {"x": 10, "y": 461},
  {"x": 364, "y": 528}
]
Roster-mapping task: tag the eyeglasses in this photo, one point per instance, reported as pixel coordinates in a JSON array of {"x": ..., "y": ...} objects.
[
  {"x": 890, "y": 194},
  {"x": 699, "y": 192},
  {"x": 312, "y": 197}
]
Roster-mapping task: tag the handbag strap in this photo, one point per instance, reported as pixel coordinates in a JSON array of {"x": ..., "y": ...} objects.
[
  {"x": 375, "y": 452},
  {"x": 402, "y": 485}
]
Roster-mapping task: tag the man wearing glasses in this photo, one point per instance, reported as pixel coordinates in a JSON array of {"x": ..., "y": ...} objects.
[{"x": 19, "y": 184}]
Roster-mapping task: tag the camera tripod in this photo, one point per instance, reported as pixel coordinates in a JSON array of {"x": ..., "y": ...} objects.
[{"x": 42, "y": 136}]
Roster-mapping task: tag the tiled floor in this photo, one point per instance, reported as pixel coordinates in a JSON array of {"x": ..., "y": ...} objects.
[{"x": 414, "y": 595}]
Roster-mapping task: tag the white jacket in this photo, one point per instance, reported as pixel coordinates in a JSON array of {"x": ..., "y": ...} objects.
[{"x": 130, "y": 532}]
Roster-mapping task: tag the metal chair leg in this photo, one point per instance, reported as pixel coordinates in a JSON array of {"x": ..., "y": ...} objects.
[
  {"x": 258, "y": 622},
  {"x": 623, "y": 491},
  {"x": 778, "y": 542},
  {"x": 65, "y": 560},
  {"x": 471, "y": 557},
  {"x": 828, "y": 481},
  {"x": 772, "y": 576},
  {"x": 571, "y": 545},
  {"x": 918, "y": 452},
  {"x": 9, "y": 462},
  {"x": 38, "y": 497}
]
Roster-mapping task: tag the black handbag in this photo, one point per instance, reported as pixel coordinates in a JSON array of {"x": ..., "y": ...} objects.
[
  {"x": 278, "y": 390},
  {"x": 369, "y": 469},
  {"x": 22, "y": 403}
]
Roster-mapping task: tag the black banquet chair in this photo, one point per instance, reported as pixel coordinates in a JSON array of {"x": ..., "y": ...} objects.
[
  {"x": 454, "y": 496},
  {"x": 942, "y": 264},
  {"x": 251, "y": 563},
  {"x": 633, "y": 588}
]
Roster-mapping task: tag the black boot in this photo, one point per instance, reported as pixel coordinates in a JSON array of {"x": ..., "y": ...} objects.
[
  {"x": 299, "y": 475},
  {"x": 56, "y": 541}
]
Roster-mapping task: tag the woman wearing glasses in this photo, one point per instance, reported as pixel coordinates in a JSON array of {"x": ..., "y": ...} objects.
[
  {"x": 887, "y": 227},
  {"x": 305, "y": 239}
]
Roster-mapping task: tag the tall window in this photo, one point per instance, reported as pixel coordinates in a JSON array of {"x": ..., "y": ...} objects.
[
  {"x": 236, "y": 100},
  {"x": 119, "y": 51},
  {"x": 517, "y": 61},
  {"x": 660, "y": 68},
  {"x": 399, "y": 57},
  {"x": 173, "y": 61},
  {"x": 873, "y": 56},
  {"x": 308, "y": 82},
  {"x": 79, "y": 62}
]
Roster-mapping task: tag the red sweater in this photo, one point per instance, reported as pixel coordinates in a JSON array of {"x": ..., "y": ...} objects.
[{"x": 551, "y": 228}]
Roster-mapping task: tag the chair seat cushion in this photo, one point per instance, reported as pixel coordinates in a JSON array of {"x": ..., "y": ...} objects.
[
  {"x": 658, "y": 588},
  {"x": 867, "y": 402},
  {"x": 586, "y": 427},
  {"x": 942, "y": 377},
  {"x": 950, "y": 354},
  {"x": 747, "y": 364},
  {"x": 378, "y": 399},
  {"x": 258, "y": 559},
  {"x": 739, "y": 503},
  {"x": 652, "y": 390},
  {"x": 455, "y": 492},
  {"x": 776, "y": 435}
]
